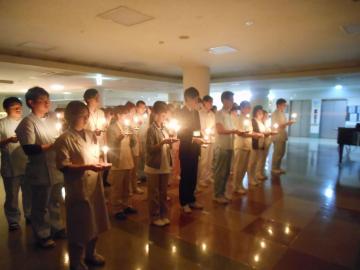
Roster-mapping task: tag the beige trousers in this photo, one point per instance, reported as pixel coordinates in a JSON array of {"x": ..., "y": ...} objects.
[
  {"x": 254, "y": 165},
  {"x": 278, "y": 154},
  {"x": 119, "y": 196},
  {"x": 240, "y": 167},
  {"x": 205, "y": 164}
]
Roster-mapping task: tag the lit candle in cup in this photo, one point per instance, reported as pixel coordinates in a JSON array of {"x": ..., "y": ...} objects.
[
  {"x": 136, "y": 122},
  {"x": 58, "y": 115},
  {"x": 105, "y": 149},
  {"x": 293, "y": 116},
  {"x": 276, "y": 126},
  {"x": 127, "y": 126},
  {"x": 173, "y": 127},
  {"x": 208, "y": 132},
  {"x": 197, "y": 134}
]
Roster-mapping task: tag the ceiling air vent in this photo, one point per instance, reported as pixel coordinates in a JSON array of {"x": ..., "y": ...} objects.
[{"x": 125, "y": 16}]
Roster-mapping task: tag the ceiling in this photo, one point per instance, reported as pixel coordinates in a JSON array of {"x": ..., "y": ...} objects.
[
  {"x": 271, "y": 37},
  {"x": 26, "y": 76}
]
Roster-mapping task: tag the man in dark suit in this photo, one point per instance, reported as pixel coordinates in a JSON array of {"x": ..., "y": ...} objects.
[{"x": 189, "y": 151}]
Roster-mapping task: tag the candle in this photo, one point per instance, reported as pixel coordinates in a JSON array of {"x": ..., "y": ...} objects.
[
  {"x": 145, "y": 115},
  {"x": 208, "y": 131},
  {"x": 196, "y": 133},
  {"x": 173, "y": 127},
  {"x": 105, "y": 149},
  {"x": 127, "y": 126},
  {"x": 136, "y": 121},
  {"x": 248, "y": 115},
  {"x": 276, "y": 126},
  {"x": 293, "y": 116},
  {"x": 58, "y": 115}
]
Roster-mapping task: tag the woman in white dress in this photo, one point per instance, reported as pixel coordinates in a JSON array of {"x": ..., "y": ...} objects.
[{"x": 77, "y": 156}]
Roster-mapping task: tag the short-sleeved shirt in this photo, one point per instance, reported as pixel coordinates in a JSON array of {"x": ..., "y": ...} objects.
[
  {"x": 41, "y": 168},
  {"x": 224, "y": 141},
  {"x": 13, "y": 158},
  {"x": 279, "y": 118},
  {"x": 241, "y": 142},
  {"x": 207, "y": 120},
  {"x": 97, "y": 121}
]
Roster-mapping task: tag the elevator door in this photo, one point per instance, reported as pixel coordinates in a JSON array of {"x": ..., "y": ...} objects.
[
  {"x": 333, "y": 115},
  {"x": 302, "y": 126}
]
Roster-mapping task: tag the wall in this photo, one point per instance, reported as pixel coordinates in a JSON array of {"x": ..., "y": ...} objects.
[{"x": 316, "y": 96}]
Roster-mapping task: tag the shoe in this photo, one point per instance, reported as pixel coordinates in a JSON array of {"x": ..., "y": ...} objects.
[
  {"x": 95, "y": 260},
  {"x": 158, "y": 222},
  {"x": 130, "y": 211},
  {"x": 80, "y": 266},
  {"x": 276, "y": 171},
  {"x": 262, "y": 177},
  {"x": 221, "y": 200},
  {"x": 46, "y": 243},
  {"x": 241, "y": 191},
  {"x": 14, "y": 226},
  {"x": 166, "y": 221},
  {"x": 196, "y": 206},
  {"x": 253, "y": 183},
  {"x": 186, "y": 209},
  {"x": 61, "y": 234},
  {"x": 120, "y": 216},
  {"x": 139, "y": 191}
]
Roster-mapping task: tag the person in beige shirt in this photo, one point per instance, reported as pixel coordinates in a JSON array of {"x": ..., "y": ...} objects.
[
  {"x": 78, "y": 157},
  {"x": 242, "y": 147},
  {"x": 278, "y": 117},
  {"x": 120, "y": 142}
]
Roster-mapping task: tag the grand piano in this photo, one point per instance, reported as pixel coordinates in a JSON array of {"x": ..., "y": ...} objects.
[{"x": 347, "y": 136}]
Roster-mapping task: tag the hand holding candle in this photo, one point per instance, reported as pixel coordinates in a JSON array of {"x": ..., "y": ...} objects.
[
  {"x": 276, "y": 127},
  {"x": 293, "y": 117}
]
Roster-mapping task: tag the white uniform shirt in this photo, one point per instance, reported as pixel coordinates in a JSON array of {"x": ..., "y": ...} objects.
[
  {"x": 13, "y": 158},
  {"x": 126, "y": 161},
  {"x": 241, "y": 142},
  {"x": 279, "y": 118},
  {"x": 41, "y": 168},
  {"x": 224, "y": 141},
  {"x": 262, "y": 129},
  {"x": 207, "y": 120},
  {"x": 97, "y": 121}
]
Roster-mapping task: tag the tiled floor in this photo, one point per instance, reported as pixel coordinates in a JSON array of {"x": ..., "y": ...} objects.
[{"x": 307, "y": 219}]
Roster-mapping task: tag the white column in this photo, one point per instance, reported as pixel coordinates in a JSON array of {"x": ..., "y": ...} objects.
[
  {"x": 259, "y": 96},
  {"x": 198, "y": 77}
]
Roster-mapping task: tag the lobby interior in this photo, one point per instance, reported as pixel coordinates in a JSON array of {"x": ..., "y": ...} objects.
[{"x": 307, "y": 52}]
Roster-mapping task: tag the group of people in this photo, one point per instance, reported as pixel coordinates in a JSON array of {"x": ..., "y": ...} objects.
[{"x": 84, "y": 148}]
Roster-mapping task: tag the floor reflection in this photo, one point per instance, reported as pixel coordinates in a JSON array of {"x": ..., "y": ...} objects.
[{"x": 306, "y": 219}]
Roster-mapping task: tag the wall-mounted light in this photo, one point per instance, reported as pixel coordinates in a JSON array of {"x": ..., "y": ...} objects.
[{"x": 99, "y": 79}]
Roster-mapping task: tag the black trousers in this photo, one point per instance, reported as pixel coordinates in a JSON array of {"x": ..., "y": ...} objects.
[{"x": 189, "y": 169}]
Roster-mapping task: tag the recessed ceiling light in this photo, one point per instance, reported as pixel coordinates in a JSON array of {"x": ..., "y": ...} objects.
[
  {"x": 184, "y": 37},
  {"x": 125, "y": 16},
  {"x": 222, "y": 50},
  {"x": 67, "y": 93},
  {"x": 338, "y": 87},
  {"x": 56, "y": 87},
  {"x": 249, "y": 23}
]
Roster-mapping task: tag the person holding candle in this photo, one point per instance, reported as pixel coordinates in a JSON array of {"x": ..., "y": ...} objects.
[
  {"x": 37, "y": 134},
  {"x": 261, "y": 175},
  {"x": 86, "y": 213},
  {"x": 207, "y": 123},
  {"x": 135, "y": 149},
  {"x": 13, "y": 162},
  {"x": 242, "y": 147},
  {"x": 278, "y": 117},
  {"x": 120, "y": 154},
  {"x": 141, "y": 112},
  {"x": 223, "y": 147},
  {"x": 189, "y": 150},
  {"x": 158, "y": 165},
  {"x": 258, "y": 145}
]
